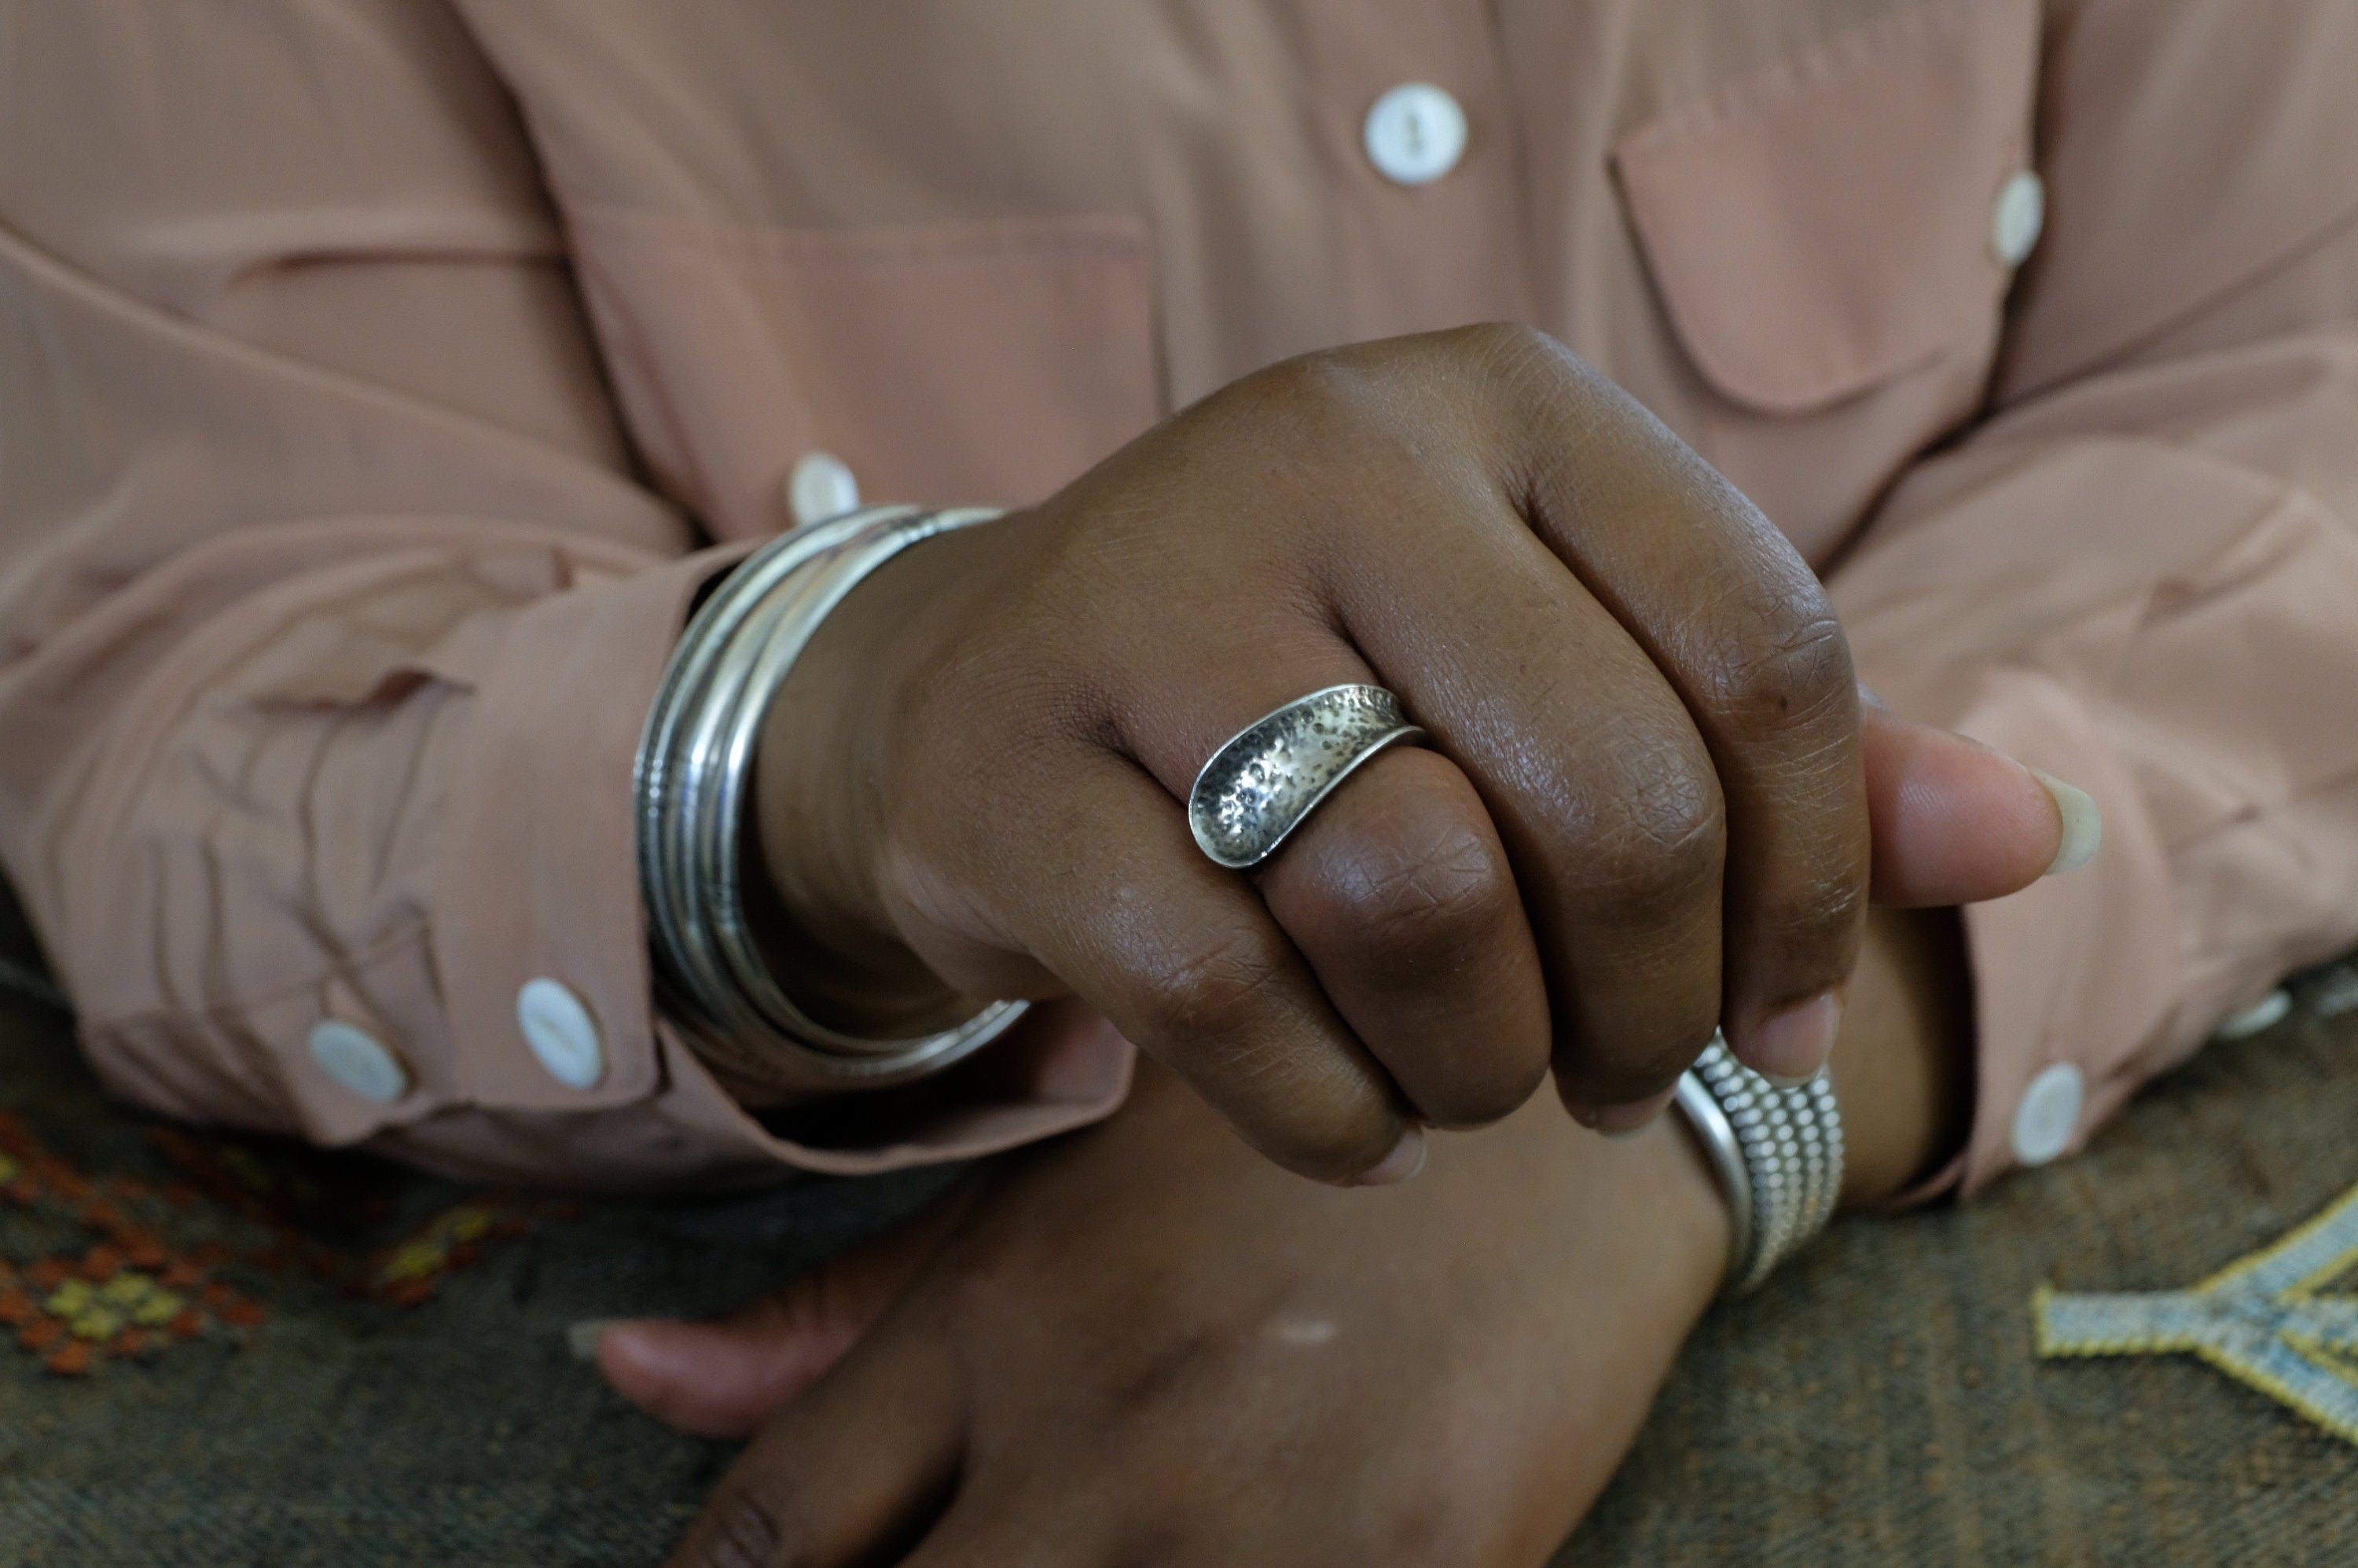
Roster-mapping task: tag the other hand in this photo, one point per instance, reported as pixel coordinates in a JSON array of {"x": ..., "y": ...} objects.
[
  {"x": 1145, "y": 1334},
  {"x": 1147, "y": 1342}
]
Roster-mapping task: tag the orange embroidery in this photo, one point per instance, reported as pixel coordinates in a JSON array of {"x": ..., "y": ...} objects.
[{"x": 148, "y": 1276}]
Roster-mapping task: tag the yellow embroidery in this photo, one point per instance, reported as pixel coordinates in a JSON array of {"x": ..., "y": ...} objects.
[
  {"x": 2266, "y": 1319},
  {"x": 430, "y": 1252},
  {"x": 99, "y": 1312}
]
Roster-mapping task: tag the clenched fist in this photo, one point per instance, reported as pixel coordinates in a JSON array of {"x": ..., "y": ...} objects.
[{"x": 1652, "y": 803}]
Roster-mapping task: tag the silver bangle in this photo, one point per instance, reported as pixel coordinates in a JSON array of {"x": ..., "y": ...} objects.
[
  {"x": 1778, "y": 1154},
  {"x": 694, "y": 769}
]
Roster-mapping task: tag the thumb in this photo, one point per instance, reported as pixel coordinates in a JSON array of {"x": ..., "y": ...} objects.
[
  {"x": 1955, "y": 822},
  {"x": 725, "y": 1377}
]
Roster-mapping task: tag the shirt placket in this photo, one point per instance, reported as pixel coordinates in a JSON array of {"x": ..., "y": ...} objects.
[{"x": 1416, "y": 123}]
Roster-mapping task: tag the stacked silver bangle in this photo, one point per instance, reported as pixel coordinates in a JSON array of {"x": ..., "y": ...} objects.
[
  {"x": 695, "y": 772},
  {"x": 1777, "y": 1153}
]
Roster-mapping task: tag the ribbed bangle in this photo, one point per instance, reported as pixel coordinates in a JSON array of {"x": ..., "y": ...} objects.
[
  {"x": 694, "y": 771},
  {"x": 1777, "y": 1153}
]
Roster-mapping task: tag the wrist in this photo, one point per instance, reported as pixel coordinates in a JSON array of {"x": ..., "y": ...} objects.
[
  {"x": 1688, "y": 1207},
  {"x": 1903, "y": 1063},
  {"x": 822, "y": 772}
]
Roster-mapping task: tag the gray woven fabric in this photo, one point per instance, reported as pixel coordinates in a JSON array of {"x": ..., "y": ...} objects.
[{"x": 1878, "y": 1404}]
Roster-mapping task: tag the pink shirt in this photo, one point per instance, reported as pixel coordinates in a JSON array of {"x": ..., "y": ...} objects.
[{"x": 374, "y": 374}]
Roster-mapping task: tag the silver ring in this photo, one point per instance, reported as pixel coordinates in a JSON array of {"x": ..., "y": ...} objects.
[{"x": 1260, "y": 786}]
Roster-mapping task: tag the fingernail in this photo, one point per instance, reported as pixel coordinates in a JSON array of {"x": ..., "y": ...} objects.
[
  {"x": 582, "y": 1337},
  {"x": 1406, "y": 1160},
  {"x": 1630, "y": 1119},
  {"x": 1789, "y": 1047},
  {"x": 2083, "y": 824}
]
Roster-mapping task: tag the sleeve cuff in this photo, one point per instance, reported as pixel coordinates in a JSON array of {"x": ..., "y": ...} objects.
[
  {"x": 536, "y": 873},
  {"x": 536, "y": 903}
]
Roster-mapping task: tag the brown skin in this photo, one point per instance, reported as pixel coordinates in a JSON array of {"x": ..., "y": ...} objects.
[
  {"x": 1144, "y": 1344},
  {"x": 1655, "y": 804},
  {"x": 1647, "y": 813}
]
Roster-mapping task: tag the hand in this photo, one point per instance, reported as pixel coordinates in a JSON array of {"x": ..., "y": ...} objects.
[
  {"x": 1147, "y": 1342},
  {"x": 1647, "y": 813},
  {"x": 1145, "y": 1334}
]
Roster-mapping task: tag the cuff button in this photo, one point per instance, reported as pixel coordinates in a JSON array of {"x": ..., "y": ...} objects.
[
  {"x": 2017, "y": 218},
  {"x": 2049, "y": 1114},
  {"x": 557, "y": 1026},
  {"x": 359, "y": 1061},
  {"x": 821, "y": 486},
  {"x": 2257, "y": 1019}
]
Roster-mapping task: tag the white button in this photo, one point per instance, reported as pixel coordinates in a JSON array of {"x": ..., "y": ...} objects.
[
  {"x": 822, "y": 486},
  {"x": 2049, "y": 1114},
  {"x": 558, "y": 1028},
  {"x": 2264, "y": 1014},
  {"x": 359, "y": 1061},
  {"x": 2019, "y": 215},
  {"x": 1415, "y": 133}
]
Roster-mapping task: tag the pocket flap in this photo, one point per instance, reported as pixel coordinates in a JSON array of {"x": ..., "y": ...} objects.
[{"x": 1826, "y": 223}]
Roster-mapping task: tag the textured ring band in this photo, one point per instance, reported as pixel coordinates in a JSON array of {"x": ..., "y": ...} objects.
[{"x": 1260, "y": 785}]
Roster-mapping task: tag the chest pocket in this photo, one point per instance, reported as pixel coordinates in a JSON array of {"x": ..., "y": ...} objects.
[
  {"x": 1850, "y": 214},
  {"x": 950, "y": 363}
]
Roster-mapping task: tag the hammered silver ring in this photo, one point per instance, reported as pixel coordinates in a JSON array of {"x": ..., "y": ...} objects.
[{"x": 1263, "y": 785}]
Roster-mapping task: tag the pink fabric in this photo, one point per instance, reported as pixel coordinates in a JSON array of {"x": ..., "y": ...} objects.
[
  {"x": 1791, "y": 290},
  {"x": 374, "y": 376},
  {"x": 873, "y": 346}
]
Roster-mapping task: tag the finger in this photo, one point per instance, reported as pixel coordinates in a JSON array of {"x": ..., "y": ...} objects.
[
  {"x": 1957, "y": 823},
  {"x": 1737, "y": 622},
  {"x": 1400, "y": 895},
  {"x": 1107, "y": 887},
  {"x": 726, "y": 1376},
  {"x": 1590, "y": 768},
  {"x": 853, "y": 1472}
]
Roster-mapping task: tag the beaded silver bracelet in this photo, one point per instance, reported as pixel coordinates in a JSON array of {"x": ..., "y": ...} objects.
[
  {"x": 1777, "y": 1153},
  {"x": 694, "y": 777}
]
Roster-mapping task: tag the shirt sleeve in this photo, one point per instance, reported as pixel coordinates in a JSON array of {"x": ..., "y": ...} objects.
[
  {"x": 2148, "y": 587},
  {"x": 2140, "y": 574},
  {"x": 329, "y": 615}
]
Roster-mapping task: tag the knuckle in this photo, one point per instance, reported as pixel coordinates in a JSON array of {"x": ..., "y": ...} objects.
[
  {"x": 1327, "y": 389},
  {"x": 1363, "y": 409},
  {"x": 1511, "y": 347},
  {"x": 1662, "y": 843},
  {"x": 1420, "y": 902},
  {"x": 1530, "y": 372},
  {"x": 743, "y": 1529},
  {"x": 1209, "y": 985},
  {"x": 1793, "y": 667}
]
